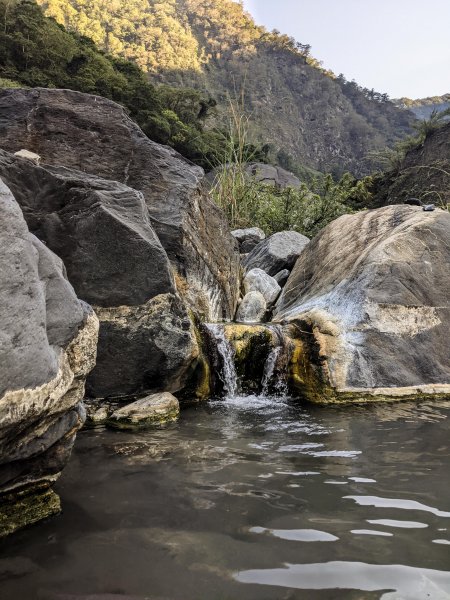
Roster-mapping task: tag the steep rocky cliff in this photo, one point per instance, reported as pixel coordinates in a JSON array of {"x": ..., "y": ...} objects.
[{"x": 47, "y": 348}]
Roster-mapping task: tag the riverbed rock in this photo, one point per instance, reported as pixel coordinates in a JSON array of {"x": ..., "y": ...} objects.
[
  {"x": 154, "y": 410},
  {"x": 281, "y": 277},
  {"x": 48, "y": 346},
  {"x": 277, "y": 252},
  {"x": 115, "y": 261},
  {"x": 248, "y": 238},
  {"x": 257, "y": 280},
  {"x": 370, "y": 297},
  {"x": 95, "y": 135},
  {"x": 252, "y": 308}
]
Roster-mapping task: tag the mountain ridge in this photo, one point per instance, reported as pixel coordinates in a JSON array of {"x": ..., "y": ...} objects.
[{"x": 309, "y": 116}]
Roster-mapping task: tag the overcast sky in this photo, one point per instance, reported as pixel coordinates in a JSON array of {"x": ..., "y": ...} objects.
[{"x": 401, "y": 47}]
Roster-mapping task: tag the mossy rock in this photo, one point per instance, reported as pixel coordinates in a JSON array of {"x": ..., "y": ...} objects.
[
  {"x": 157, "y": 410},
  {"x": 26, "y": 507}
]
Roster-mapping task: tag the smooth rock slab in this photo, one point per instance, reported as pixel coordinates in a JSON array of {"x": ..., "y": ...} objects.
[
  {"x": 248, "y": 238},
  {"x": 257, "y": 280},
  {"x": 277, "y": 252},
  {"x": 372, "y": 291},
  {"x": 157, "y": 409},
  {"x": 252, "y": 308}
]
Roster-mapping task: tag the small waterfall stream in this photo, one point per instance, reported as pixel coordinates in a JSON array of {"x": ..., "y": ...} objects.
[
  {"x": 272, "y": 379},
  {"x": 228, "y": 374}
]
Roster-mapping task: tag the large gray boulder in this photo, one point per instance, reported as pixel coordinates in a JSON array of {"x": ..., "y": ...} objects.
[
  {"x": 248, "y": 238},
  {"x": 277, "y": 252},
  {"x": 252, "y": 308},
  {"x": 257, "y": 280},
  {"x": 48, "y": 346},
  {"x": 95, "y": 135},
  {"x": 101, "y": 230},
  {"x": 372, "y": 293}
]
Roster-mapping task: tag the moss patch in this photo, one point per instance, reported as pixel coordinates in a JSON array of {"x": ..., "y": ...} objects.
[{"x": 26, "y": 507}]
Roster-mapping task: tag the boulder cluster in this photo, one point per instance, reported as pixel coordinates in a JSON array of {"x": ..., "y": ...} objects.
[
  {"x": 113, "y": 256},
  {"x": 111, "y": 259},
  {"x": 267, "y": 263}
]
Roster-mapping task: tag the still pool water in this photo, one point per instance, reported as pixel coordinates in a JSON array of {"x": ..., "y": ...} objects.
[{"x": 249, "y": 498}]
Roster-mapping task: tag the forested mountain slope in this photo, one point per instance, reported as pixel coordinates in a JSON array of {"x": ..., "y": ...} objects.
[
  {"x": 424, "y": 107},
  {"x": 35, "y": 51},
  {"x": 308, "y": 115}
]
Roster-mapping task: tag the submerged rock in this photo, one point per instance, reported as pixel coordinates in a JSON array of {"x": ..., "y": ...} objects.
[
  {"x": 95, "y": 135},
  {"x": 48, "y": 347},
  {"x": 114, "y": 260},
  {"x": 257, "y": 280},
  {"x": 248, "y": 238},
  {"x": 157, "y": 409},
  {"x": 252, "y": 308},
  {"x": 370, "y": 297},
  {"x": 277, "y": 252}
]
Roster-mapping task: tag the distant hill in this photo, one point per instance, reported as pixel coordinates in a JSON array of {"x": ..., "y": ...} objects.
[
  {"x": 308, "y": 116},
  {"x": 423, "y": 173},
  {"x": 424, "y": 107}
]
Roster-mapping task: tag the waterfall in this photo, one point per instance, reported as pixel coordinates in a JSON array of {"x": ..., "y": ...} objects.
[
  {"x": 274, "y": 380},
  {"x": 225, "y": 350}
]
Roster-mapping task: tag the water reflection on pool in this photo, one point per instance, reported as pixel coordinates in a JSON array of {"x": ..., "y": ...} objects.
[{"x": 250, "y": 498}]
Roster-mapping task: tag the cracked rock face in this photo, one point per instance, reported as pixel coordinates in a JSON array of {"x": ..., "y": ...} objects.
[
  {"x": 47, "y": 347},
  {"x": 373, "y": 289},
  {"x": 115, "y": 261},
  {"x": 94, "y": 135}
]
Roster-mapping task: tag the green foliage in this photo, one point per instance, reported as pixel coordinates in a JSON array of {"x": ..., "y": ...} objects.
[
  {"x": 35, "y": 51},
  {"x": 306, "y": 209},
  {"x": 391, "y": 159}
]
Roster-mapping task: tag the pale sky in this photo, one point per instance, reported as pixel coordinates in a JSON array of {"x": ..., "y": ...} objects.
[{"x": 401, "y": 47}]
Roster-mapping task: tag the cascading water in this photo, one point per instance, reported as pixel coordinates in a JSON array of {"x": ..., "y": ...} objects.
[
  {"x": 274, "y": 380},
  {"x": 225, "y": 350}
]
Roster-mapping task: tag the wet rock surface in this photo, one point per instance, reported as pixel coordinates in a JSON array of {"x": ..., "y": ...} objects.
[
  {"x": 277, "y": 252},
  {"x": 154, "y": 410},
  {"x": 48, "y": 347},
  {"x": 372, "y": 290},
  {"x": 94, "y": 135}
]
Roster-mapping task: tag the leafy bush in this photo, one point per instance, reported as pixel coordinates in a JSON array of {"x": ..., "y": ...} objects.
[{"x": 307, "y": 209}]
